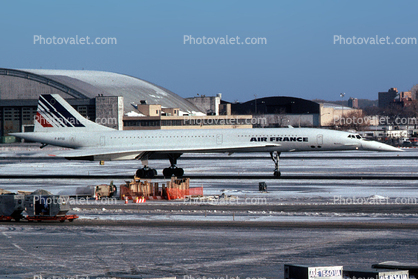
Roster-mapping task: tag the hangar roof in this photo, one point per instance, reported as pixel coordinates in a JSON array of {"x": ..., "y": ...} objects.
[
  {"x": 89, "y": 84},
  {"x": 335, "y": 106}
]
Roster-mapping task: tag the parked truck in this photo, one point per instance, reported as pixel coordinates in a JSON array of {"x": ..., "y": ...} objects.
[
  {"x": 99, "y": 191},
  {"x": 42, "y": 205},
  {"x": 92, "y": 191}
]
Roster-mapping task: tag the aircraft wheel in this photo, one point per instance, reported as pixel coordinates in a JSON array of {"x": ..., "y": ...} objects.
[
  {"x": 150, "y": 173},
  {"x": 146, "y": 173},
  {"x": 167, "y": 172},
  {"x": 140, "y": 173},
  {"x": 178, "y": 172}
]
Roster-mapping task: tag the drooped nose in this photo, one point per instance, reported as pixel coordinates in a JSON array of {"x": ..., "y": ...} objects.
[{"x": 378, "y": 146}]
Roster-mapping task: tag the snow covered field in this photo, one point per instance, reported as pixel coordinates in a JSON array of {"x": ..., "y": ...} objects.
[
  {"x": 243, "y": 233},
  {"x": 285, "y": 190}
]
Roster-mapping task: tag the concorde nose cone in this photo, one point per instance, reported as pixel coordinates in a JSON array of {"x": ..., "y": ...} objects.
[{"x": 378, "y": 146}]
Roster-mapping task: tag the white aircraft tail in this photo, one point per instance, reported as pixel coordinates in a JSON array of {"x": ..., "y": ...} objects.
[{"x": 55, "y": 114}]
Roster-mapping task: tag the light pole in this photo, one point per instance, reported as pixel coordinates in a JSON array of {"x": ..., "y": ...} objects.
[
  {"x": 255, "y": 104},
  {"x": 342, "y": 105}
]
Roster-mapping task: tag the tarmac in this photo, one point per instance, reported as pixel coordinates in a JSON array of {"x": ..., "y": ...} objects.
[
  {"x": 298, "y": 221},
  {"x": 197, "y": 249}
]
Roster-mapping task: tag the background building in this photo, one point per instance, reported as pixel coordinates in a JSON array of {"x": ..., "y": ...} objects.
[
  {"x": 404, "y": 99},
  {"x": 280, "y": 111},
  {"x": 110, "y": 99},
  {"x": 385, "y": 98},
  {"x": 283, "y": 111},
  {"x": 124, "y": 102},
  {"x": 209, "y": 105},
  {"x": 353, "y": 103},
  {"x": 333, "y": 114}
]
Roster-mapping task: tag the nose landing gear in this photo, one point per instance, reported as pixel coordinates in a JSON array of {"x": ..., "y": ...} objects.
[{"x": 275, "y": 156}]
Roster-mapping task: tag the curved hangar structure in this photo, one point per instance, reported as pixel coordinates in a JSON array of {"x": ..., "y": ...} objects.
[{"x": 20, "y": 90}]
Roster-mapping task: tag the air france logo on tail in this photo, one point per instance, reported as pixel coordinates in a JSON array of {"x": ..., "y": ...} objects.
[{"x": 52, "y": 114}]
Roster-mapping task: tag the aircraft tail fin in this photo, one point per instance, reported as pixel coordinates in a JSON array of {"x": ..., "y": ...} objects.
[{"x": 55, "y": 114}]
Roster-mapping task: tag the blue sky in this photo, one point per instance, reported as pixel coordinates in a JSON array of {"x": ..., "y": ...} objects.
[{"x": 299, "y": 59}]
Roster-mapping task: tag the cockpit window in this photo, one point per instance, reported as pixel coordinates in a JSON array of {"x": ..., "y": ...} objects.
[{"x": 354, "y": 136}]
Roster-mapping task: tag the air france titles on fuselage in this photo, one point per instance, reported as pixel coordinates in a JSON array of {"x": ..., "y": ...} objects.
[{"x": 279, "y": 139}]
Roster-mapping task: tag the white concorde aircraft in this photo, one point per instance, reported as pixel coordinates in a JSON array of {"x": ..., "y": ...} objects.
[{"x": 58, "y": 123}]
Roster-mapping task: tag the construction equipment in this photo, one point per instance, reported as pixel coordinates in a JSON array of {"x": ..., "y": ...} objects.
[
  {"x": 173, "y": 189},
  {"x": 39, "y": 205}
]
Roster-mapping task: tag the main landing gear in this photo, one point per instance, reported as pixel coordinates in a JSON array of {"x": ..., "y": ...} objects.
[
  {"x": 275, "y": 156},
  {"x": 173, "y": 170},
  {"x": 146, "y": 172}
]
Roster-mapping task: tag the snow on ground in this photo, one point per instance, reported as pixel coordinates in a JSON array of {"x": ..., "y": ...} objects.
[
  {"x": 305, "y": 191},
  {"x": 247, "y": 216}
]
